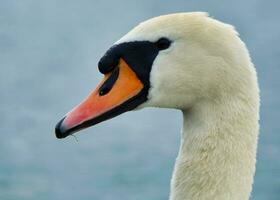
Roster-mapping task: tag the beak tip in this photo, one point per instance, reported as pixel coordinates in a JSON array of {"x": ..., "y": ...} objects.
[{"x": 60, "y": 130}]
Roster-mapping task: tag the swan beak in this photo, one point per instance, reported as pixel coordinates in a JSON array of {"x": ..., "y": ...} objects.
[{"x": 120, "y": 91}]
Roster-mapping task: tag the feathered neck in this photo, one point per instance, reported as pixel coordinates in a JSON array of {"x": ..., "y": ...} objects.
[{"x": 217, "y": 155}]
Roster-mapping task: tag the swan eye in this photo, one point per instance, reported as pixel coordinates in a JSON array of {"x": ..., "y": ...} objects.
[{"x": 163, "y": 43}]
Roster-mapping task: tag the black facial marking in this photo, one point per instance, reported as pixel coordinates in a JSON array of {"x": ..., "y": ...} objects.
[
  {"x": 109, "y": 83},
  {"x": 139, "y": 55}
]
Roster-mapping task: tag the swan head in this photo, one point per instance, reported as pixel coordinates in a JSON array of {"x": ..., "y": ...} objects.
[{"x": 171, "y": 61}]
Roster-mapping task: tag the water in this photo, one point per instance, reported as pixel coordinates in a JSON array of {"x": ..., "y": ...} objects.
[{"x": 48, "y": 55}]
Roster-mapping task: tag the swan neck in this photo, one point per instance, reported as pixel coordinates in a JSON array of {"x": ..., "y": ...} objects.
[{"x": 217, "y": 155}]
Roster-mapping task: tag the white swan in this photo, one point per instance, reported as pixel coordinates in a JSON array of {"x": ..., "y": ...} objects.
[{"x": 194, "y": 63}]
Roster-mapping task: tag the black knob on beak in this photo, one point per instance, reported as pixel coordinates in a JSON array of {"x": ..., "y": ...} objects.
[{"x": 108, "y": 62}]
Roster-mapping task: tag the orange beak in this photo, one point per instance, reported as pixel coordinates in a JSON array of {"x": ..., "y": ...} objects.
[{"x": 120, "y": 91}]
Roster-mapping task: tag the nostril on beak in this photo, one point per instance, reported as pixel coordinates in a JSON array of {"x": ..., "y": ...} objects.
[
  {"x": 109, "y": 83},
  {"x": 104, "y": 91}
]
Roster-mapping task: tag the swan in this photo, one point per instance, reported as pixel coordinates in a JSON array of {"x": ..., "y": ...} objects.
[{"x": 199, "y": 65}]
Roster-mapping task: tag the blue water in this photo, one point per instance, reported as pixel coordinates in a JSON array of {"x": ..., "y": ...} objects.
[{"x": 48, "y": 55}]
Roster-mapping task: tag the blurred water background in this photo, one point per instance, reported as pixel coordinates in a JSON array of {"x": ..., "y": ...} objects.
[{"x": 48, "y": 56}]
